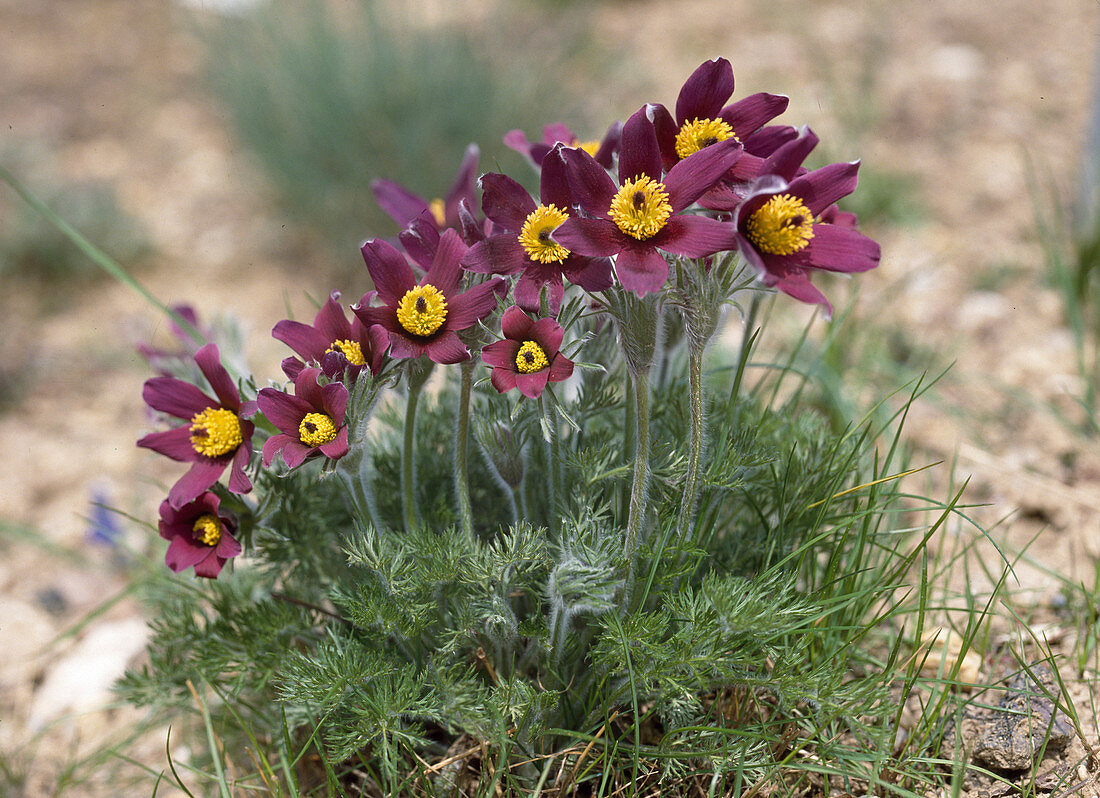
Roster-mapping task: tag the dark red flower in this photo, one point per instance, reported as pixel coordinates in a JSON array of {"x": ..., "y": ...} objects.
[
  {"x": 781, "y": 234},
  {"x": 703, "y": 118},
  {"x": 785, "y": 162},
  {"x": 522, "y": 242},
  {"x": 403, "y": 206},
  {"x": 332, "y": 342},
  {"x": 311, "y": 422},
  {"x": 425, "y": 317},
  {"x": 642, "y": 215},
  {"x": 557, "y": 133},
  {"x": 528, "y": 356},
  {"x": 217, "y": 435},
  {"x": 199, "y": 536}
]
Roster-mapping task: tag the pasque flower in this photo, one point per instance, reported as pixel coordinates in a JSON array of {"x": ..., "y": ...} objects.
[
  {"x": 781, "y": 233},
  {"x": 529, "y": 356},
  {"x": 333, "y": 342},
  {"x": 200, "y": 536},
  {"x": 557, "y": 133},
  {"x": 425, "y": 316},
  {"x": 642, "y": 214},
  {"x": 217, "y": 435},
  {"x": 311, "y": 422},
  {"x": 403, "y": 206},
  {"x": 703, "y": 118},
  {"x": 522, "y": 242}
]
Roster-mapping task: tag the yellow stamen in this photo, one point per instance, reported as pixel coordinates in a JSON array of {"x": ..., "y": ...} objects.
[
  {"x": 531, "y": 358},
  {"x": 535, "y": 235},
  {"x": 215, "y": 431},
  {"x": 439, "y": 210},
  {"x": 591, "y": 147},
  {"x": 349, "y": 349},
  {"x": 781, "y": 226},
  {"x": 641, "y": 207},
  {"x": 207, "y": 529},
  {"x": 422, "y": 310},
  {"x": 316, "y": 429},
  {"x": 700, "y": 133}
]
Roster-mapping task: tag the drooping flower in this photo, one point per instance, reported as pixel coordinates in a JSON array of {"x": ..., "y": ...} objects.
[
  {"x": 522, "y": 242},
  {"x": 425, "y": 317},
  {"x": 529, "y": 356},
  {"x": 311, "y": 422},
  {"x": 403, "y": 206},
  {"x": 703, "y": 118},
  {"x": 199, "y": 535},
  {"x": 217, "y": 435},
  {"x": 782, "y": 235},
  {"x": 332, "y": 342},
  {"x": 643, "y": 213},
  {"x": 557, "y": 133}
]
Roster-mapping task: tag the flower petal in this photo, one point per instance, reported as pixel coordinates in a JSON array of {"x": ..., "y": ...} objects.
[
  {"x": 210, "y": 364},
  {"x": 532, "y": 385},
  {"x": 500, "y": 254},
  {"x": 238, "y": 479},
  {"x": 283, "y": 410},
  {"x": 695, "y": 236},
  {"x": 505, "y": 201},
  {"x": 447, "y": 348},
  {"x": 503, "y": 379},
  {"x": 753, "y": 112},
  {"x": 307, "y": 341},
  {"x": 295, "y": 453},
  {"x": 641, "y": 269},
  {"x": 399, "y": 203},
  {"x": 175, "y": 397},
  {"x": 561, "y": 368},
  {"x": 516, "y": 324},
  {"x": 183, "y": 553},
  {"x": 203, "y": 473},
  {"x": 330, "y": 320},
  {"x": 640, "y": 154},
  {"x": 787, "y": 160},
  {"x": 389, "y": 270},
  {"x": 334, "y": 400},
  {"x": 445, "y": 272},
  {"x": 472, "y": 306},
  {"x": 174, "y": 443},
  {"x": 464, "y": 186},
  {"x": 822, "y": 187},
  {"x": 691, "y": 177},
  {"x": 272, "y": 446},
  {"x": 596, "y": 237},
  {"x": 337, "y": 447},
  {"x": 548, "y": 334},
  {"x": 592, "y": 187},
  {"x": 501, "y": 354},
  {"x": 839, "y": 249},
  {"x": 528, "y": 290},
  {"x": 210, "y": 566},
  {"x": 705, "y": 90}
]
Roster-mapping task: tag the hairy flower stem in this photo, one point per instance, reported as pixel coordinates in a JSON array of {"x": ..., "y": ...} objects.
[
  {"x": 418, "y": 375},
  {"x": 462, "y": 479},
  {"x": 553, "y": 458},
  {"x": 640, "y": 486},
  {"x": 689, "y": 501}
]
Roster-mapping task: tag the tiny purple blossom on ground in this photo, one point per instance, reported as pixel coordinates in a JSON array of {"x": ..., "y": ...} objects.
[
  {"x": 522, "y": 241},
  {"x": 529, "y": 356},
  {"x": 781, "y": 234},
  {"x": 425, "y": 317},
  {"x": 311, "y": 422},
  {"x": 199, "y": 536},
  {"x": 217, "y": 435},
  {"x": 332, "y": 342},
  {"x": 642, "y": 215}
]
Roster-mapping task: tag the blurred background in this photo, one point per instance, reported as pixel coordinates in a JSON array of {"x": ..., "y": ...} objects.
[{"x": 222, "y": 151}]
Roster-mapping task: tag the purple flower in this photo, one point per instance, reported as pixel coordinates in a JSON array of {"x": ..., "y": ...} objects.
[
  {"x": 785, "y": 162},
  {"x": 162, "y": 361},
  {"x": 216, "y": 436},
  {"x": 703, "y": 118},
  {"x": 337, "y": 345},
  {"x": 200, "y": 536},
  {"x": 310, "y": 422},
  {"x": 558, "y": 133},
  {"x": 529, "y": 355},
  {"x": 522, "y": 240},
  {"x": 781, "y": 234},
  {"x": 403, "y": 206},
  {"x": 642, "y": 214},
  {"x": 425, "y": 317}
]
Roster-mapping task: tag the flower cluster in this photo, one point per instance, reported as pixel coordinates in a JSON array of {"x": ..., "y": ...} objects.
[{"x": 710, "y": 179}]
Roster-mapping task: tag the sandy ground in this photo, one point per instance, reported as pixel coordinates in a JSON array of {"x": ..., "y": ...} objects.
[{"x": 956, "y": 95}]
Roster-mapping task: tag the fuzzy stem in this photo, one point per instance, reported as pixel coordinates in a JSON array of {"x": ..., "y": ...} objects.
[
  {"x": 462, "y": 479},
  {"x": 408, "y": 453},
  {"x": 553, "y": 457},
  {"x": 640, "y": 486},
  {"x": 689, "y": 501}
]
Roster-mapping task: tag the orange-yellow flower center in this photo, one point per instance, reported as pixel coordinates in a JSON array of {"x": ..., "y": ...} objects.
[
  {"x": 215, "y": 431},
  {"x": 439, "y": 211},
  {"x": 641, "y": 207},
  {"x": 422, "y": 310},
  {"x": 316, "y": 429},
  {"x": 207, "y": 529},
  {"x": 535, "y": 235},
  {"x": 591, "y": 147},
  {"x": 700, "y": 133},
  {"x": 531, "y": 357},
  {"x": 350, "y": 349},
  {"x": 781, "y": 226}
]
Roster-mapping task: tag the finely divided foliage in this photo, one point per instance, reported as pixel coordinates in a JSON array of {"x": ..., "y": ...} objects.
[{"x": 650, "y": 577}]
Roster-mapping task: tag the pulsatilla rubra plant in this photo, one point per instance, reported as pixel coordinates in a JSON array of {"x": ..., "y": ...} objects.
[{"x": 446, "y": 586}]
